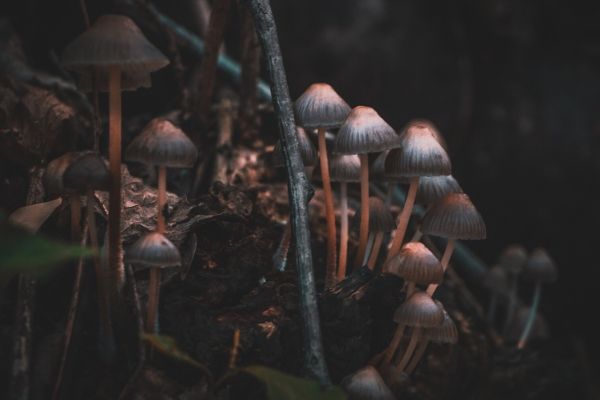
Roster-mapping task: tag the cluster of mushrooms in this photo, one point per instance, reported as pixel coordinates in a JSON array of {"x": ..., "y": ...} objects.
[
  {"x": 519, "y": 322},
  {"x": 416, "y": 157},
  {"x": 113, "y": 55}
]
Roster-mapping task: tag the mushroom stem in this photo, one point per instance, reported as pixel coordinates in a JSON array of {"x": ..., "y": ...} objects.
[
  {"x": 531, "y": 317},
  {"x": 343, "y": 259},
  {"x": 389, "y": 194},
  {"x": 281, "y": 254},
  {"x": 375, "y": 250},
  {"x": 416, "y": 336},
  {"x": 153, "y": 298},
  {"x": 418, "y": 355},
  {"x": 330, "y": 273},
  {"x": 162, "y": 199},
  {"x": 445, "y": 261},
  {"x": 512, "y": 302},
  {"x": 114, "y": 204},
  {"x": 404, "y": 217},
  {"x": 391, "y": 349},
  {"x": 364, "y": 209},
  {"x": 410, "y": 289},
  {"x": 75, "y": 206},
  {"x": 106, "y": 333}
]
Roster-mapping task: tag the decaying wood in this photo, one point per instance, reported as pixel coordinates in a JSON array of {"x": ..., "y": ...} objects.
[{"x": 223, "y": 149}]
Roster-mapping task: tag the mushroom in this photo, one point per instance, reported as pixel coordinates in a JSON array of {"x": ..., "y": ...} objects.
[
  {"x": 378, "y": 174},
  {"x": 321, "y": 108},
  {"x": 417, "y": 265},
  {"x": 85, "y": 175},
  {"x": 163, "y": 144},
  {"x": 366, "y": 384},
  {"x": 496, "y": 282},
  {"x": 364, "y": 132},
  {"x": 512, "y": 260},
  {"x": 419, "y": 154},
  {"x": 453, "y": 217},
  {"x": 115, "y": 53},
  {"x": 540, "y": 268},
  {"x": 381, "y": 221}
]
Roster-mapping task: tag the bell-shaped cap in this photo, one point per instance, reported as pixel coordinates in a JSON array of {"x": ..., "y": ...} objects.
[
  {"x": 114, "y": 40},
  {"x": 416, "y": 263},
  {"x": 320, "y": 107},
  {"x": 364, "y": 131},
  {"x": 88, "y": 171},
  {"x": 380, "y": 217},
  {"x": 540, "y": 267},
  {"x": 419, "y": 154},
  {"x": 433, "y": 188},
  {"x": 366, "y": 384},
  {"x": 513, "y": 258},
  {"x": 454, "y": 217},
  {"x": 153, "y": 250},
  {"x": 344, "y": 168},
  {"x": 305, "y": 145},
  {"x": 496, "y": 280},
  {"x": 55, "y": 170},
  {"x": 446, "y": 332},
  {"x": 162, "y": 143},
  {"x": 419, "y": 310}
]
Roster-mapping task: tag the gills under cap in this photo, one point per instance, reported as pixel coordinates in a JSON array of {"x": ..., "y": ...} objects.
[
  {"x": 419, "y": 310},
  {"x": 154, "y": 250},
  {"x": 88, "y": 171},
  {"x": 416, "y": 263},
  {"x": 433, "y": 188}
]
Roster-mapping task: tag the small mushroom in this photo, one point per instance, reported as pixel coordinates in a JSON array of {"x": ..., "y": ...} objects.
[
  {"x": 366, "y": 384},
  {"x": 496, "y": 283},
  {"x": 364, "y": 132},
  {"x": 321, "y": 108},
  {"x": 512, "y": 260},
  {"x": 540, "y": 269},
  {"x": 377, "y": 172}
]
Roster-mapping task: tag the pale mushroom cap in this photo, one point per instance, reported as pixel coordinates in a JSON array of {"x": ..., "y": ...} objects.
[
  {"x": 415, "y": 263},
  {"x": 446, "y": 332},
  {"x": 154, "y": 250},
  {"x": 88, "y": 171},
  {"x": 162, "y": 143},
  {"x": 364, "y": 131},
  {"x": 454, "y": 217},
  {"x": 419, "y": 310},
  {"x": 540, "y": 267},
  {"x": 419, "y": 154},
  {"x": 496, "y": 280},
  {"x": 513, "y": 258},
  {"x": 434, "y": 188},
  {"x": 344, "y": 168},
  {"x": 55, "y": 170},
  {"x": 320, "y": 107},
  {"x": 380, "y": 217},
  {"x": 114, "y": 40},
  {"x": 308, "y": 152},
  {"x": 366, "y": 384}
]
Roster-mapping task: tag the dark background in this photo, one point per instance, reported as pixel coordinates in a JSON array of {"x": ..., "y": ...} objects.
[{"x": 513, "y": 85}]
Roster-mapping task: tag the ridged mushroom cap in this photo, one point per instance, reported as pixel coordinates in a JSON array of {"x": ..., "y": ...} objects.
[
  {"x": 114, "y": 40},
  {"x": 88, "y": 171},
  {"x": 162, "y": 143},
  {"x": 416, "y": 263},
  {"x": 420, "y": 311},
  {"x": 455, "y": 217},
  {"x": 344, "y": 168},
  {"x": 432, "y": 128},
  {"x": 308, "y": 152},
  {"x": 320, "y": 107},
  {"x": 377, "y": 169},
  {"x": 540, "y": 267},
  {"x": 419, "y": 154},
  {"x": 513, "y": 258},
  {"x": 366, "y": 384},
  {"x": 496, "y": 280},
  {"x": 55, "y": 170},
  {"x": 380, "y": 217},
  {"x": 364, "y": 131},
  {"x": 446, "y": 332},
  {"x": 154, "y": 250},
  {"x": 433, "y": 188}
]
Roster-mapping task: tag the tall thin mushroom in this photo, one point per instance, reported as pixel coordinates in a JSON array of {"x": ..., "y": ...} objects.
[
  {"x": 321, "y": 108},
  {"x": 115, "y": 55},
  {"x": 512, "y": 260},
  {"x": 364, "y": 132},
  {"x": 381, "y": 221}
]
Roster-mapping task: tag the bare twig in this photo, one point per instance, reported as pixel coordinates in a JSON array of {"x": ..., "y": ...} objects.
[
  {"x": 223, "y": 150},
  {"x": 299, "y": 189}
]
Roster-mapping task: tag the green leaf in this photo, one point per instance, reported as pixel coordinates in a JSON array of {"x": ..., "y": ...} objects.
[
  {"x": 168, "y": 346},
  {"x": 282, "y": 386}
]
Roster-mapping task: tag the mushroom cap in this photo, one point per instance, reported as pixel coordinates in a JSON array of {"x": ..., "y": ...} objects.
[
  {"x": 454, "y": 217},
  {"x": 377, "y": 169},
  {"x": 154, "y": 250},
  {"x": 540, "y": 267},
  {"x": 433, "y": 188},
  {"x": 55, "y": 170},
  {"x": 380, "y": 217},
  {"x": 513, "y": 258},
  {"x": 419, "y": 310},
  {"x": 366, "y": 383},
  {"x": 114, "y": 40},
  {"x": 446, "y": 332},
  {"x": 320, "y": 107},
  {"x": 88, "y": 171},
  {"x": 364, "y": 131},
  {"x": 419, "y": 154},
  {"x": 415, "y": 263},
  {"x": 162, "y": 143},
  {"x": 496, "y": 280},
  {"x": 344, "y": 168},
  {"x": 308, "y": 152}
]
